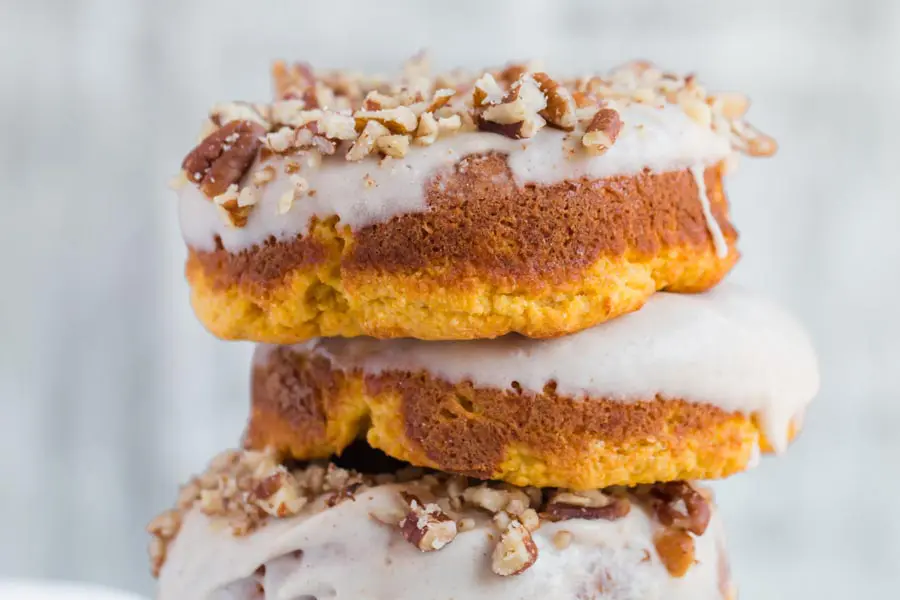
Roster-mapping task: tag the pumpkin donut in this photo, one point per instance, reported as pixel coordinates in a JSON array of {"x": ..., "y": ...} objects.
[
  {"x": 688, "y": 387},
  {"x": 470, "y": 208}
]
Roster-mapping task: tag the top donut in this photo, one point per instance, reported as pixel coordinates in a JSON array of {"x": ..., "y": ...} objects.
[{"x": 458, "y": 206}]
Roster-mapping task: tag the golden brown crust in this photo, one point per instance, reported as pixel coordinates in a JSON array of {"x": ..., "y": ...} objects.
[
  {"x": 481, "y": 224},
  {"x": 486, "y": 245},
  {"x": 522, "y": 437}
]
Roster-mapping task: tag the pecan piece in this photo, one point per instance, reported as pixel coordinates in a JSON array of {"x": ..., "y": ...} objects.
[
  {"x": 615, "y": 509},
  {"x": 676, "y": 550},
  {"x": 679, "y": 505},
  {"x": 515, "y": 552},
  {"x": 347, "y": 492},
  {"x": 290, "y": 81},
  {"x": 277, "y": 495},
  {"x": 518, "y": 115},
  {"x": 426, "y": 526},
  {"x": 399, "y": 120},
  {"x": 560, "y": 110},
  {"x": 224, "y": 156},
  {"x": 602, "y": 131}
]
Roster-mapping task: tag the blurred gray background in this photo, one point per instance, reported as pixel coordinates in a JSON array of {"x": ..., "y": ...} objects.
[{"x": 111, "y": 393}]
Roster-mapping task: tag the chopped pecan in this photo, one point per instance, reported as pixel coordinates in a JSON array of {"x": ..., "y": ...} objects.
[
  {"x": 230, "y": 207},
  {"x": 486, "y": 497},
  {"x": 165, "y": 525},
  {"x": 427, "y": 131},
  {"x": 440, "y": 99},
  {"x": 747, "y": 138},
  {"x": 615, "y": 509},
  {"x": 486, "y": 91},
  {"x": 426, "y": 526},
  {"x": 732, "y": 105},
  {"x": 365, "y": 143},
  {"x": 347, "y": 492},
  {"x": 291, "y": 81},
  {"x": 560, "y": 110},
  {"x": 399, "y": 120},
  {"x": 449, "y": 124},
  {"x": 562, "y": 539},
  {"x": 602, "y": 131},
  {"x": 277, "y": 494},
  {"x": 226, "y": 112},
  {"x": 679, "y": 505},
  {"x": 224, "y": 156},
  {"x": 518, "y": 115},
  {"x": 511, "y": 73},
  {"x": 515, "y": 552},
  {"x": 395, "y": 146},
  {"x": 676, "y": 550},
  {"x": 375, "y": 100}
]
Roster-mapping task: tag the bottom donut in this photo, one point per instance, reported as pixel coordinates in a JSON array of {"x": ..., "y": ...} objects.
[{"x": 251, "y": 528}]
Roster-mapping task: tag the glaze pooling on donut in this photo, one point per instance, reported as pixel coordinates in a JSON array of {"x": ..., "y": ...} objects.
[
  {"x": 654, "y": 139},
  {"x": 343, "y": 552}
]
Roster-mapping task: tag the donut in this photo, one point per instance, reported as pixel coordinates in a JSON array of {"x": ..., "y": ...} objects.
[
  {"x": 692, "y": 386},
  {"x": 319, "y": 531},
  {"x": 451, "y": 208}
]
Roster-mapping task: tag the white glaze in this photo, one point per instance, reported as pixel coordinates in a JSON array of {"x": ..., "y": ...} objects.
[
  {"x": 726, "y": 347},
  {"x": 711, "y": 224},
  {"x": 657, "y": 139},
  {"x": 349, "y": 556}
]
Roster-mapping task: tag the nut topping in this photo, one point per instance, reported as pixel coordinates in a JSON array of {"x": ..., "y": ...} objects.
[
  {"x": 230, "y": 208},
  {"x": 365, "y": 143},
  {"x": 591, "y": 505},
  {"x": 395, "y": 146},
  {"x": 244, "y": 489},
  {"x": 676, "y": 550},
  {"x": 602, "y": 131},
  {"x": 518, "y": 114},
  {"x": 224, "y": 156},
  {"x": 398, "y": 120},
  {"x": 277, "y": 495},
  {"x": 426, "y": 526},
  {"x": 560, "y": 110},
  {"x": 317, "y": 115},
  {"x": 515, "y": 552},
  {"x": 679, "y": 505}
]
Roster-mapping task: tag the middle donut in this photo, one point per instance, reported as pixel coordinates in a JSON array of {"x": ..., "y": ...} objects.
[{"x": 689, "y": 387}]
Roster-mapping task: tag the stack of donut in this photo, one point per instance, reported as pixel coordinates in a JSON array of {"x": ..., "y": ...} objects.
[{"x": 495, "y": 354}]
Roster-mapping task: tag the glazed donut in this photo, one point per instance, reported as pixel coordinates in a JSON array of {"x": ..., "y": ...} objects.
[
  {"x": 322, "y": 531},
  {"x": 468, "y": 209},
  {"x": 689, "y": 387}
]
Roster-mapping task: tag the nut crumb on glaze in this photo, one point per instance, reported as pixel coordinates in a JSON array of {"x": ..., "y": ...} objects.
[
  {"x": 320, "y": 115},
  {"x": 246, "y": 489}
]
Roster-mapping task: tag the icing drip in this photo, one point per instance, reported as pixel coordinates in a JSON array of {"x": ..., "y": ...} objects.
[
  {"x": 711, "y": 223},
  {"x": 726, "y": 347}
]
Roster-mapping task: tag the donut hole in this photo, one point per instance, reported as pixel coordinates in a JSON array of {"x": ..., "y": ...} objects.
[{"x": 360, "y": 456}]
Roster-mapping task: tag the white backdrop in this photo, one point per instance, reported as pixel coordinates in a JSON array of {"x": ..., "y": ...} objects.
[{"x": 111, "y": 393}]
